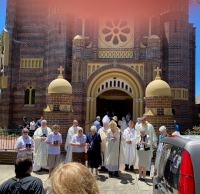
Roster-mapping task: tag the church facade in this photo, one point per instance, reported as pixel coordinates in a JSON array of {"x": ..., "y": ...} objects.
[{"x": 108, "y": 59}]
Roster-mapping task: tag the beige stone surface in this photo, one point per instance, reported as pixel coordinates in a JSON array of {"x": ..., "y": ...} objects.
[{"x": 126, "y": 183}]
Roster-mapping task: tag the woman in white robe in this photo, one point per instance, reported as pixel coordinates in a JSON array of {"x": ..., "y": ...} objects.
[
  {"x": 129, "y": 147},
  {"x": 114, "y": 149}
]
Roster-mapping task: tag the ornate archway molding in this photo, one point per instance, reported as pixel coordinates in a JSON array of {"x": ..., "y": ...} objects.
[{"x": 134, "y": 84}]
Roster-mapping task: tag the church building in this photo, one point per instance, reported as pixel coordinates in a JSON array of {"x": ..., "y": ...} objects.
[{"x": 109, "y": 51}]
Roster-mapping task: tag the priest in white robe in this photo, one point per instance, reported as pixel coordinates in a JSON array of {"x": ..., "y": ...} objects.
[
  {"x": 114, "y": 149},
  {"x": 40, "y": 152},
  {"x": 149, "y": 130},
  {"x": 122, "y": 124},
  {"x": 130, "y": 146},
  {"x": 103, "y": 133},
  {"x": 72, "y": 130}
]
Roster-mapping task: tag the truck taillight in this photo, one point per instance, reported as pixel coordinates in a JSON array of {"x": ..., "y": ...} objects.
[{"x": 186, "y": 178}]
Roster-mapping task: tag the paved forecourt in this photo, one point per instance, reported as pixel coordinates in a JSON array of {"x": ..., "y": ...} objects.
[{"x": 126, "y": 183}]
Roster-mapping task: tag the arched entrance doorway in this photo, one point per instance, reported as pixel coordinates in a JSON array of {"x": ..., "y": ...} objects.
[
  {"x": 102, "y": 92},
  {"x": 116, "y": 102}
]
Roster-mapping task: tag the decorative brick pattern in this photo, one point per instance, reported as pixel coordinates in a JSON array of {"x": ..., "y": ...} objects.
[{"x": 35, "y": 32}]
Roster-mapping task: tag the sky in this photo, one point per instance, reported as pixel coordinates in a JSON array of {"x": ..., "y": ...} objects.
[{"x": 194, "y": 15}]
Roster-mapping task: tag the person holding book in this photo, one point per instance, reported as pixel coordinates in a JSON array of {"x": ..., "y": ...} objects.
[
  {"x": 24, "y": 144},
  {"x": 54, "y": 140}
]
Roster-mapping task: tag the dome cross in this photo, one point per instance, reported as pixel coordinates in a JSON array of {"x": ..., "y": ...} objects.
[
  {"x": 61, "y": 69},
  {"x": 157, "y": 70}
]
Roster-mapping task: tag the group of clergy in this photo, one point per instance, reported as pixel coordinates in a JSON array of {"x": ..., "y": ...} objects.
[
  {"x": 121, "y": 145},
  {"x": 131, "y": 146}
]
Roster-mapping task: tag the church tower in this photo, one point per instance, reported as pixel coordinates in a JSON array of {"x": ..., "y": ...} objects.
[
  {"x": 178, "y": 64},
  {"x": 59, "y": 39}
]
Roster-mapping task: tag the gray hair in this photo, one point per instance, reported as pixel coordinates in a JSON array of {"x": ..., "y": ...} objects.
[
  {"x": 93, "y": 128},
  {"x": 162, "y": 129},
  {"x": 44, "y": 121},
  {"x": 142, "y": 129},
  {"x": 98, "y": 117}
]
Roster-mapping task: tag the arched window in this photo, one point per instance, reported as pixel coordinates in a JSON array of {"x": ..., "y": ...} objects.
[
  {"x": 29, "y": 97},
  {"x": 153, "y": 26},
  {"x": 79, "y": 26},
  {"x": 87, "y": 28},
  {"x": 83, "y": 27},
  {"x": 59, "y": 28}
]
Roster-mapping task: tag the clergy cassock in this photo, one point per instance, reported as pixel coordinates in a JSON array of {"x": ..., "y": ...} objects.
[
  {"x": 122, "y": 124},
  {"x": 129, "y": 149},
  {"x": 40, "y": 153},
  {"x": 103, "y": 134},
  {"x": 114, "y": 155},
  {"x": 72, "y": 130}
]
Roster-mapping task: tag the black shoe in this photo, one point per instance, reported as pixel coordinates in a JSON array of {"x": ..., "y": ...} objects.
[
  {"x": 103, "y": 169},
  {"x": 110, "y": 174},
  {"x": 126, "y": 167},
  {"x": 47, "y": 170},
  {"x": 116, "y": 174},
  {"x": 41, "y": 169},
  {"x": 141, "y": 179},
  {"x": 148, "y": 173},
  {"x": 131, "y": 168}
]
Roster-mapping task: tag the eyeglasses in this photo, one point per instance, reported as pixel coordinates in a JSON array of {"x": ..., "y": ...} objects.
[
  {"x": 80, "y": 131},
  {"x": 25, "y": 132}
]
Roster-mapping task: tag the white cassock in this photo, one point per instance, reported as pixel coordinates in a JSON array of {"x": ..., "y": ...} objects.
[
  {"x": 114, "y": 157},
  {"x": 137, "y": 129},
  {"x": 123, "y": 125},
  {"x": 130, "y": 149},
  {"x": 102, "y": 132},
  {"x": 40, "y": 152},
  {"x": 149, "y": 130},
  {"x": 72, "y": 130}
]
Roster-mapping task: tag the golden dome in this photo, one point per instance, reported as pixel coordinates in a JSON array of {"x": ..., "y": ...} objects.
[
  {"x": 158, "y": 88},
  {"x": 60, "y": 85},
  {"x": 78, "y": 37}
]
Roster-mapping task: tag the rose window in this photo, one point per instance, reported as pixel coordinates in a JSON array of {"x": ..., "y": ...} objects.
[{"x": 116, "y": 32}]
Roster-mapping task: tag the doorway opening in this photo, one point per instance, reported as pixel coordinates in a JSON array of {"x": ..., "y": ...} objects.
[{"x": 116, "y": 102}]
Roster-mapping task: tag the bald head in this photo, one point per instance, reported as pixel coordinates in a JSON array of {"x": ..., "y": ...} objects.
[{"x": 75, "y": 123}]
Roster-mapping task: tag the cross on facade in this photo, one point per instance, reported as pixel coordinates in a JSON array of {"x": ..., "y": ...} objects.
[
  {"x": 157, "y": 70},
  {"x": 61, "y": 69}
]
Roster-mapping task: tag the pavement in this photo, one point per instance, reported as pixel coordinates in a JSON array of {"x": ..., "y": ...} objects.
[{"x": 126, "y": 183}]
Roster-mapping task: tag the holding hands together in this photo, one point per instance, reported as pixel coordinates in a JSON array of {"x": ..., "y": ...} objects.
[
  {"x": 113, "y": 139},
  {"x": 128, "y": 142}
]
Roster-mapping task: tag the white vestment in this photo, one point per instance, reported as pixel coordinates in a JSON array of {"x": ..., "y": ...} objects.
[
  {"x": 137, "y": 129},
  {"x": 102, "y": 132},
  {"x": 123, "y": 125},
  {"x": 72, "y": 130},
  {"x": 114, "y": 153},
  {"x": 40, "y": 152},
  {"x": 130, "y": 149},
  {"x": 149, "y": 130}
]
